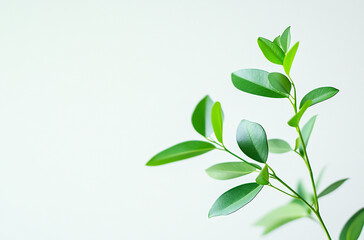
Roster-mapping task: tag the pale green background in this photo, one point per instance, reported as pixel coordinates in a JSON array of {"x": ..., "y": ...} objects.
[{"x": 90, "y": 90}]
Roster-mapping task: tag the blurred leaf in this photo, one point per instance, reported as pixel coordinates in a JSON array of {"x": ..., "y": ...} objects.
[
  {"x": 254, "y": 81},
  {"x": 280, "y": 83},
  {"x": 353, "y": 226},
  {"x": 318, "y": 95},
  {"x": 181, "y": 151},
  {"x": 319, "y": 178},
  {"x": 288, "y": 60},
  {"x": 278, "y": 146},
  {"x": 252, "y": 140},
  {"x": 201, "y": 117},
  {"x": 263, "y": 177},
  {"x": 280, "y": 216},
  {"x": 234, "y": 199},
  {"x": 295, "y": 120},
  {"x": 217, "y": 120},
  {"x": 229, "y": 170},
  {"x": 302, "y": 191},
  {"x": 271, "y": 51},
  {"x": 332, "y": 187},
  {"x": 286, "y": 39}
]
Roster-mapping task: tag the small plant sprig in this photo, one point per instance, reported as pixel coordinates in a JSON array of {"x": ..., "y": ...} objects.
[{"x": 207, "y": 120}]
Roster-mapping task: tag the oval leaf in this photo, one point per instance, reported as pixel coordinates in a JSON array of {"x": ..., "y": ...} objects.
[
  {"x": 295, "y": 120},
  {"x": 201, "y": 117},
  {"x": 254, "y": 81},
  {"x": 288, "y": 60},
  {"x": 234, "y": 199},
  {"x": 353, "y": 226},
  {"x": 263, "y": 177},
  {"x": 278, "y": 146},
  {"x": 318, "y": 95},
  {"x": 180, "y": 151},
  {"x": 332, "y": 187},
  {"x": 271, "y": 51},
  {"x": 252, "y": 140},
  {"x": 229, "y": 170},
  {"x": 280, "y": 216},
  {"x": 277, "y": 41},
  {"x": 286, "y": 39},
  {"x": 217, "y": 120},
  {"x": 280, "y": 82}
]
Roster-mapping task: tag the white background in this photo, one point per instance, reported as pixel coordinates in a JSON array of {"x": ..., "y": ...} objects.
[{"x": 90, "y": 90}]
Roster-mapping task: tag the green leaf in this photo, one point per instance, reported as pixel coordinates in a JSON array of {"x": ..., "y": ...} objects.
[
  {"x": 295, "y": 120},
  {"x": 254, "y": 81},
  {"x": 297, "y": 143},
  {"x": 318, "y": 95},
  {"x": 332, "y": 187},
  {"x": 201, "y": 117},
  {"x": 181, "y": 151},
  {"x": 280, "y": 216},
  {"x": 271, "y": 51},
  {"x": 302, "y": 191},
  {"x": 280, "y": 82},
  {"x": 288, "y": 60},
  {"x": 217, "y": 120},
  {"x": 234, "y": 199},
  {"x": 286, "y": 39},
  {"x": 353, "y": 226},
  {"x": 229, "y": 170},
  {"x": 278, "y": 146},
  {"x": 277, "y": 41},
  {"x": 252, "y": 140},
  {"x": 263, "y": 177},
  {"x": 319, "y": 178},
  {"x": 306, "y": 132}
]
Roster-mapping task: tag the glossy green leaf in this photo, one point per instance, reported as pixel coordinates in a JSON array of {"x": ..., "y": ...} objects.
[
  {"x": 297, "y": 143},
  {"x": 332, "y": 187},
  {"x": 280, "y": 83},
  {"x": 280, "y": 216},
  {"x": 217, "y": 120},
  {"x": 254, "y": 81},
  {"x": 286, "y": 39},
  {"x": 271, "y": 51},
  {"x": 278, "y": 146},
  {"x": 181, "y": 151},
  {"x": 295, "y": 120},
  {"x": 288, "y": 60},
  {"x": 263, "y": 177},
  {"x": 306, "y": 132},
  {"x": 229, "y": 170},
  {"x": 252, "y": 140},
  {"x": 277, "y": 41},
  {"x": 353, "y": 226},
  {"x": 318, "y": 95},
  {"x": 234, "y": 199},
  {"x": 201, "y": 117}
]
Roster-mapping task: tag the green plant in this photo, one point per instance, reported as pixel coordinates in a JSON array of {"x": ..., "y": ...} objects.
[{"x": 207, "y": 119}]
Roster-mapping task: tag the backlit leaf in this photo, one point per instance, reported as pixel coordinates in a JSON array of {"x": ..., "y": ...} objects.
[
  {"x": 181, "y": 151},
  {"x": 217, "y": 120},
  {"x": 295, "y": 120},
  {"x": 263, "y": 177},
  {"x": 288, "y": 60},
  {"x": 229, "y": 170},
  {"x": 353, "y": 226},
  {"x": 278, "y": 146},
  {"x": 286, "y": 39}
]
